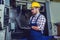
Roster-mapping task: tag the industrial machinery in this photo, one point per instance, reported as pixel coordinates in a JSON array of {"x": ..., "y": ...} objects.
[
  {"x": 18, "y": 16},
  {"x": 2, "y": 6},
  {"x": 14, "y": 18},
  {"x": 21, "y": 21}
]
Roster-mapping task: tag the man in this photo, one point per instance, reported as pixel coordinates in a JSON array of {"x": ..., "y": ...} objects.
[{"x": 37, "y": 22}]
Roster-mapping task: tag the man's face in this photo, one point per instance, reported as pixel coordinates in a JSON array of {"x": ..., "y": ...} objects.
[{"x": 34, "y": 11}]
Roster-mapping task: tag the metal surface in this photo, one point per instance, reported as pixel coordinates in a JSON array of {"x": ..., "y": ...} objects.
[
  {"x": 2, "y": 35},
  {"x": 48, "y": 18}
]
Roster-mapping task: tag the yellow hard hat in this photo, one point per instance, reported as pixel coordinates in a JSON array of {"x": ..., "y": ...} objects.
[{"x": 35, "y": 4}]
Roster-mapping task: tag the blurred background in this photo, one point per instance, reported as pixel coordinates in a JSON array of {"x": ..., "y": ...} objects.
[{"x": 15, "y": 15}]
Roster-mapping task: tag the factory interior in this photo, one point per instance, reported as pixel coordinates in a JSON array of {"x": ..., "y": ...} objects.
[{"x": 15, "y": 16}]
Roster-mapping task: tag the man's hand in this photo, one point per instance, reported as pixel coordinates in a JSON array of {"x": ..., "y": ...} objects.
[{"x": 35, "y": 28}]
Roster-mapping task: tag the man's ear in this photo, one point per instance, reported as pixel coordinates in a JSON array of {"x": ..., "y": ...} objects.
[{"x": 37, "y": 9}]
